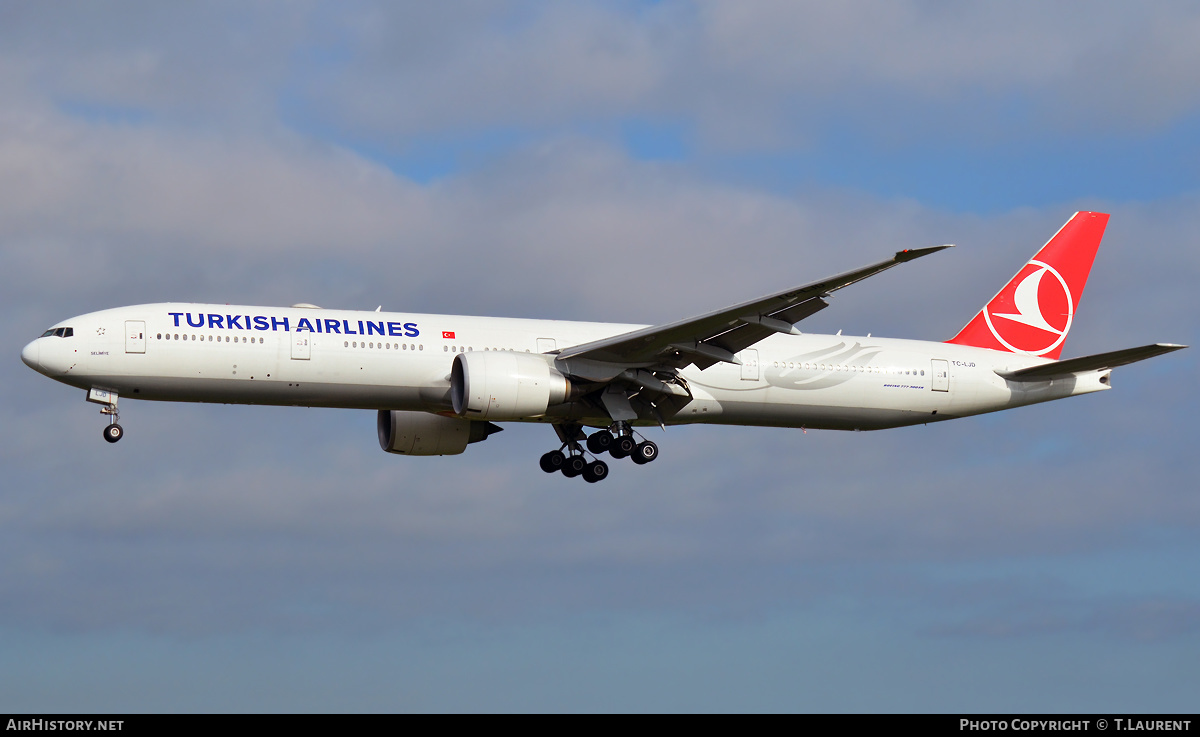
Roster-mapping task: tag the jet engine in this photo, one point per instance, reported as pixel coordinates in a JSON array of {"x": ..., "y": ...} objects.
[
  {"x": 425, "y": 434},
  {"x": 505, "y": 385}
]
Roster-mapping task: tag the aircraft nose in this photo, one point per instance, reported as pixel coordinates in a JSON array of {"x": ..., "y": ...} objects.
[{"x": 30, "y": 355}]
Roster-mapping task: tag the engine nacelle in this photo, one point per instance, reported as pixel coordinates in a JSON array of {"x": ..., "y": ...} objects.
[
  {"x": 505, "y": 385},
  {"x": 424, "y": 434}
]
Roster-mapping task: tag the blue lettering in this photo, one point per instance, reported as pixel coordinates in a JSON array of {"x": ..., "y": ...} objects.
[
  {"x": 347, "y": 324},
  {"x": 260, "y": 323},
  {"x": 395, "y": 328},
  {"x": 233, "y": 321},
  {"x": 318, "y": 326},
  {"x": 332, "y": 326},
  {"x": 411, "y": 330},
  {"x": 276, "y": 323},
  {"x": 248, "y": 326},
  {"x": 374, "y": 328},
  {"x": 361, "y": 331},
  {"x": 199, "y": 320},
  {"x": 304, "y": 324},
  {"x": 176, "y": 315},
  {"x": 216, "y": 321}
]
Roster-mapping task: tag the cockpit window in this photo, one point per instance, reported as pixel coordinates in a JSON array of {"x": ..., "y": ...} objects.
[
  {"x": 60, "y": 332},
  {"x": 48, "y": 333}
]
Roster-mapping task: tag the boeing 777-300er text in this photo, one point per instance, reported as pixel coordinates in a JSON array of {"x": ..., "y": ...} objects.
[{"x": 439, "y": 382}]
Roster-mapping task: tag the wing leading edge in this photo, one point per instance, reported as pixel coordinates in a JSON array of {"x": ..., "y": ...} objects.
[{"x": 707, "y": 339}]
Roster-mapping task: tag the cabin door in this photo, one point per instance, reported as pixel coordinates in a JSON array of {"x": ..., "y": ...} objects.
[
  {"x": 941, "y": 376},
  {"x": 135, "y": 336},
  {"x": 301, "y": 346},
  {"x": 749, "y": 364}
]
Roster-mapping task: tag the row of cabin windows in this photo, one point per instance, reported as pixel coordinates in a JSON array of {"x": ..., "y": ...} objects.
[
  {"x": 243, "y": 339},
  {"x": 234, "y": 339},
  {"x": 384, "y": 346},
  {"x": 460, "y": 349},
  {"x": 846, "y": 367}
]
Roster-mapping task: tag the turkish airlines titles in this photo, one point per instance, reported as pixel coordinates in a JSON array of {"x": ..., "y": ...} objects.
[{"x": 316, "y": 325}]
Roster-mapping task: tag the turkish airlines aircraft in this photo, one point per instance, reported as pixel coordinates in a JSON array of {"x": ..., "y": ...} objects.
[{"x": 439, "y": 381}]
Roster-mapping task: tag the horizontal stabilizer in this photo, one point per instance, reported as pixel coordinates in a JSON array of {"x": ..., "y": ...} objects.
[{"x": 1098, "y": 362}]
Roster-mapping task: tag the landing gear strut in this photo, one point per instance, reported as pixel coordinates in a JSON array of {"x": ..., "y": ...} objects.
[
  {"x": 573, "y": 462},
  {"x": 108, "y": 406},
  {"x": 619, "y": 441}
]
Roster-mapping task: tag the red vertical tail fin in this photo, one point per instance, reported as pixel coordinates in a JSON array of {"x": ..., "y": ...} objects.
[{"x": 1034, "y": 311}]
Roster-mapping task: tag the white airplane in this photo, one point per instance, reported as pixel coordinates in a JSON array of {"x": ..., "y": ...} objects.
[{"x": 440, "y": 381}]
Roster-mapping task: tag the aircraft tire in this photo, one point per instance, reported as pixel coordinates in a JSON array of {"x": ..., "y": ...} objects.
[
  {"x": 600, "y": 442},
  {"x": 644, "y": 453},
  {"x": 574, "y": 466},
  {"x": 552, "y": 461},
  {"x": 113, "y": 432},
  {"x": 597, "y": 471},
  {"x": 623, "y": 447}
]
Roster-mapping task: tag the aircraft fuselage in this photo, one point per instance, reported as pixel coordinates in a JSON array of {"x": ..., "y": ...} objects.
[{"x": 402, "y": 361}]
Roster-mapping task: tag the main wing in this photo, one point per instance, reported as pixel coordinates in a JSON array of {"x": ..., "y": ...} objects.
[{"x": 716, "y": 336}]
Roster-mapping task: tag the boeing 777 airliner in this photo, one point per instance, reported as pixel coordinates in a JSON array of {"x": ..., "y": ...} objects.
[{"x": 440, "y": 382}]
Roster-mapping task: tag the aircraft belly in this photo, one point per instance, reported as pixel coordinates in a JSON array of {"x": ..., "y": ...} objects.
[
  {"x": 253, "y": 389},
  {"x": 821, "y": 417}
]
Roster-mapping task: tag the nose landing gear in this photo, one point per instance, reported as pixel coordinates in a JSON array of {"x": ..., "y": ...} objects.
[{"x": 108, "y": 406}]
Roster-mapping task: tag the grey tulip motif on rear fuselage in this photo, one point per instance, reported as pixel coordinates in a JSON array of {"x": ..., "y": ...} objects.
[{"x": 831, "y": 366}]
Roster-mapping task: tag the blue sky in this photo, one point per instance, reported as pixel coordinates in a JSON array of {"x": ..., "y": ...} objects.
[{"x": 631, "y": 162}]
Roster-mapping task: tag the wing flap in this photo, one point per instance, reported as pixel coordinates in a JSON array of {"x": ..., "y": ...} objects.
[{"x": 1097, "y": 362}]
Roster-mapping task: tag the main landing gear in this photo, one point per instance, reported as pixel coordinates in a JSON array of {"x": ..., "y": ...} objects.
[
  {"x": 623, "y": 444},
  {"x": 618, "y": 444}
]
